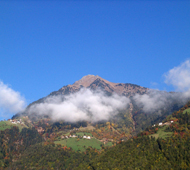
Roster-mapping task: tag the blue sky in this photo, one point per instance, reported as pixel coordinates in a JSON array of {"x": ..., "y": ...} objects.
[{"x": 45, "y": 45}]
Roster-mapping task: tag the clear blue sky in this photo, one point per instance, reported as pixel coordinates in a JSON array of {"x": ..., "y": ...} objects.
[{"x": 45, "y": 45}]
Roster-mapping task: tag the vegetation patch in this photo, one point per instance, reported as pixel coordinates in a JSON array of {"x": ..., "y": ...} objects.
[
  {"x": 83, "y": 134},
  {"x": 80, "y": 144},
  {"x": 8, "y": 125},
  {"x": 186, "y": 110},
  {"x": 161, "y": 133},
  {"x": 109, "y": 144},
  {"x": 4, "y": 125}
]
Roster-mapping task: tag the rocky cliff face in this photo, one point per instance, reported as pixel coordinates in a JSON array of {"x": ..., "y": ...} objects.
[{"x": 95, "y": 82}]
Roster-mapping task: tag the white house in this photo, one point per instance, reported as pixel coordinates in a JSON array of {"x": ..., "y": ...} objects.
[
  {"x": 172, "y": 121},
  {"x": 88, "y": 137},
  {"x": 160, "y": 124},
  {"x": 84, "y": 137}
]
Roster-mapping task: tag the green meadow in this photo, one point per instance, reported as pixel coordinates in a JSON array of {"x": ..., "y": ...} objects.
[
  {"x": 186, "y": 110},
  {"x": 7, "y": 125},
  {"x": 4, "y": 125},
  {"x": 83, "y": 134},
  {"x": 80, "y": 144},
  {"x": 161, "y": 133}
]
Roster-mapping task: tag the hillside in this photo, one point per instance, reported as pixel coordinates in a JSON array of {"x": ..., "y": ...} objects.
[
  {"x": 168, "y": 150},
  {"x": 30, "y": 150}
]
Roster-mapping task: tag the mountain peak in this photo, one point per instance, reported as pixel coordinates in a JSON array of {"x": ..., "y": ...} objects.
[
  {"x": 86, "y": 80},
  {"x": 95, "y": 82}
]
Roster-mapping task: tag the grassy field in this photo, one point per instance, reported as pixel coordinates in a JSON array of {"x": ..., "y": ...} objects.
[
  {"x": 109, "y": 144},
  {"x": 83, "y": 134},
  {"x": 4, "y": 125},
  {"x": 88, "y": 128},
  {"x": 20, "y": 126},
  {"x": 80, "y": 144},
  {"x": 7, "y": 125},
  {"x": 186, "y": 110},
  {"x": 161, "y": 134}
]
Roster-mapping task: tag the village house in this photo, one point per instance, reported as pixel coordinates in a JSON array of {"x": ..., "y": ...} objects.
[
  {"x": 160, "y": 124},
  {"x": 40, "y": 129},
  {"x": 88, "y": 137},
  {"x": 167, "y": 123}
]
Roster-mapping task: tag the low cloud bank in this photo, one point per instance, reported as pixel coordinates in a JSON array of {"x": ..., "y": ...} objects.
[
  {"x": 179, "y": 78},
  {"x": 155, "y": 100},
  {"x": 84, "y": 105},
  {"x": 10, "y": 101},
  {"x": 96, "y": 106}
]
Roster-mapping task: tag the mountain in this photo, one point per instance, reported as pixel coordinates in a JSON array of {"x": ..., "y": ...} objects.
[
  {"x": 94, "y": 82},
  {"x": 160, "y": 146},
  {"x": 130, "y": 120},
  {"x": 35, "y": 141}
]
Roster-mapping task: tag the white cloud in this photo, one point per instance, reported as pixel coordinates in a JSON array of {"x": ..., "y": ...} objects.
[
  {"x": 10, "y": 100},
  {"x": 149, "y": 102},
  {"x": 155, "y": 100},
  {"x": 179, "y": 77},
  {"x": 83, "y": 105}
]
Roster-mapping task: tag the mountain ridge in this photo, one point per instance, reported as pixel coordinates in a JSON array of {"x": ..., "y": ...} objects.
[{"x": 94, "y": 82}]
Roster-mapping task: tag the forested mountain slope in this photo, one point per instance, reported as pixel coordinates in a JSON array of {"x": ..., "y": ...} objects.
[{"x": 147, "y": 150}]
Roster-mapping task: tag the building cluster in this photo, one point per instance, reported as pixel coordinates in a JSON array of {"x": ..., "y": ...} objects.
[
  {"x": 166, "y": 123},
  {"x": 74, "y": 129},
  {"x": 16, "y": 121},
  {"x": 40, "y": 130},
  {"x": 74, "y": 136}
]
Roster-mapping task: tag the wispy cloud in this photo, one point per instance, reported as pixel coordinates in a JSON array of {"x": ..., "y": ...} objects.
[
  {"x": 83, "y": 105},
  {"x": 10, "y": 101}
]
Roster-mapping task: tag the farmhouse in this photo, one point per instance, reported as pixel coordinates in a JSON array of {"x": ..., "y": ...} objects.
[
  {"x": 167, "y": 123},
  {"x": 160, "y": 124},
  {"x": 88, "y": 137},
  {"x": 40, "y": 129}
]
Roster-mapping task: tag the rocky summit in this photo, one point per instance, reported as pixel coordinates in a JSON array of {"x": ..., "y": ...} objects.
[{"x": 96, "y": 82}]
